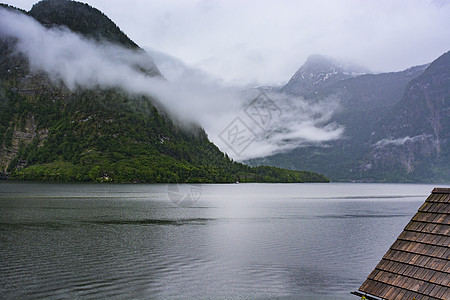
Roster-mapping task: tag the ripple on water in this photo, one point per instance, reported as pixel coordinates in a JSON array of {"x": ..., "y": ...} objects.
[{"x": 133, "y": 246}]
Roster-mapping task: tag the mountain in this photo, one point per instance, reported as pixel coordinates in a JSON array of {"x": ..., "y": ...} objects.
[
  {"x": 318, "y": 72},
  {"x": 371, "y": 91},
  {"x": 52, "y": 133},
  {"x": 88, "y": 21},
  {"x": 396, "y": 125},
  {"x": 415, "y": 136},
  {"x": 365, "y": 99}
]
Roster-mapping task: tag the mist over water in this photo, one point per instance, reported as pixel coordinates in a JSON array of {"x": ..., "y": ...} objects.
[
  {"x": 253, "y": 241},
  {"x": 190, "y": 96}
]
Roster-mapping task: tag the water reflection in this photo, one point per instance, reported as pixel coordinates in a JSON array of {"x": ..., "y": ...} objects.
[{"x": 253, "y": 241}]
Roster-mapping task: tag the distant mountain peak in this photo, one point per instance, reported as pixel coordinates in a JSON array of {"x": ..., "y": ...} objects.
[
  {"x": 319, "y": 71},
  {"x": 321, "y": 62}
]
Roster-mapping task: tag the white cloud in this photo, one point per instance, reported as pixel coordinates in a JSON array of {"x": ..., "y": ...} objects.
[{"x": 189, "y": 95}]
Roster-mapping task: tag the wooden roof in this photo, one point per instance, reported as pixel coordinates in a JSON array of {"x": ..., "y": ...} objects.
[{"x": 418, "y": 263}]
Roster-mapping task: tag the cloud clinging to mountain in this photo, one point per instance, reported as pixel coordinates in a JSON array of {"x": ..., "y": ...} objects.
[{"x": 191, "y": 96}]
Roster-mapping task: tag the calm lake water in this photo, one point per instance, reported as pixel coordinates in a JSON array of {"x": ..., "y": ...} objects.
[{"x": 307, "y": 241}]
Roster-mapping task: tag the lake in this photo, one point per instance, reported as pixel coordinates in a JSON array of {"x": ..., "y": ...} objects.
[{"x": 257, "y": 241}]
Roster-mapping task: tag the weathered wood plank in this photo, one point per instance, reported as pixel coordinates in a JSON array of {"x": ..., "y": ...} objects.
[{"x": 441, "y": 191}]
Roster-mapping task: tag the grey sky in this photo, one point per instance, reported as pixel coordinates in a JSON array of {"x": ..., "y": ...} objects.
[{"x": 265, "y": 41}]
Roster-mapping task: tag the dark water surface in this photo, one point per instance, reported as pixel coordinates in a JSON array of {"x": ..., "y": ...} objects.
[{"x": 306, "y": 241}]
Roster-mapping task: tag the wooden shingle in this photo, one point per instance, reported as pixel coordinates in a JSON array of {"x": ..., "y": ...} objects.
[{"x": 417, "y": 265}]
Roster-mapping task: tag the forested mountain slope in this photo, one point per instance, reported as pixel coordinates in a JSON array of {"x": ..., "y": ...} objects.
[{"x": 50, "y": 132}]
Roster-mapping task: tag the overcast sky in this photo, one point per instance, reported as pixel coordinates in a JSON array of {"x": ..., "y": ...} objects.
[{"x": 266, "y": 41}]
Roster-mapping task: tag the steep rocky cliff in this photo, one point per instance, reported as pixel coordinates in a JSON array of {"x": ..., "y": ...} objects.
[{"x": 396, "y": 124}]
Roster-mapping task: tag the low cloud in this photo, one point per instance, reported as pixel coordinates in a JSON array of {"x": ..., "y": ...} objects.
[
  {"x": 400, "y": 141},
  {"x": 280, "y": 122},
  {"x": 187, "y": 94}
]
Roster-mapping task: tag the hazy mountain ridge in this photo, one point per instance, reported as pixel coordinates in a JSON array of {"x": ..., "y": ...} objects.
[
  {"x": 395, "y": 126},
  {"x": 51, "y": 132},
  {"x": 415, "y": 135},
  {"x": 318, "y": 72}
]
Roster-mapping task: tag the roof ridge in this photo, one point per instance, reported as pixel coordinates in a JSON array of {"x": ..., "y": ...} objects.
[{"x": 441, "y": 191}]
